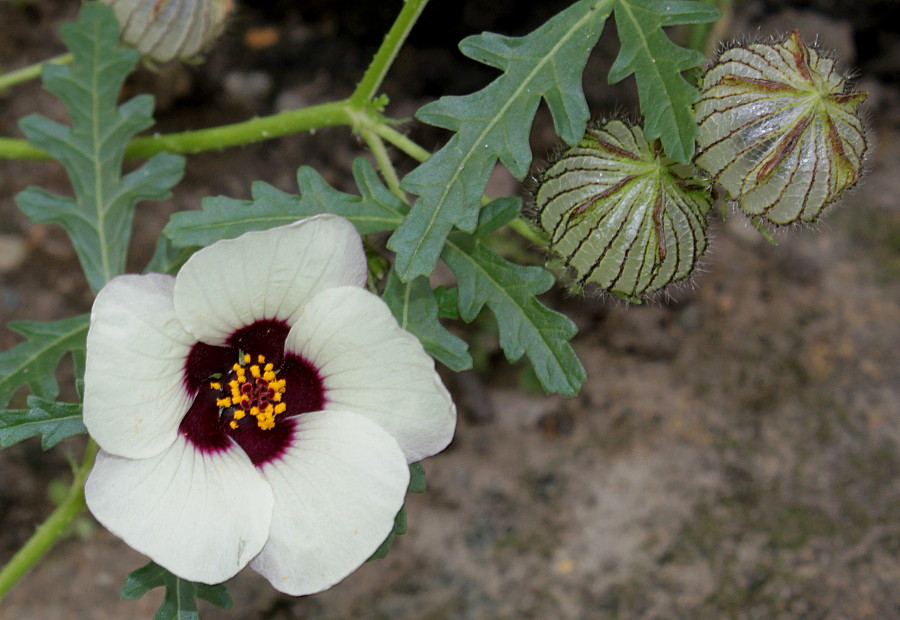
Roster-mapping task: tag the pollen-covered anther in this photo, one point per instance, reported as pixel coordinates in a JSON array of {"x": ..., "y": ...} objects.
[{"x": 259, "y": 396}]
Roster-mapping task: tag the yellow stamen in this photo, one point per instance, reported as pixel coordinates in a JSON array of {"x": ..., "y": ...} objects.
[
  {"x": 262, "y": 378},
  {"x": 266, "y": 424}
]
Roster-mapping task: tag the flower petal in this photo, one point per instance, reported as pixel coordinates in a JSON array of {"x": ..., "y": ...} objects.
[
  {"x": 266, "y": 274},
  {"x": 202, "y": 516},
  {"x": 371, "y": 366},
  {"x": 134, "y": 394},
  {"x": 337, "y": 491}
]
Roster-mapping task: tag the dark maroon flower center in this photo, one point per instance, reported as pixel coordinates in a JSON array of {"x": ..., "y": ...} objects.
[{"x": 249, "y": 391}]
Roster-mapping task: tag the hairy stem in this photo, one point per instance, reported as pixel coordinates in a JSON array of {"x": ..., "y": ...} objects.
[
  {"x": 50, "y": 530},
  {"x": 376, "y": 146},
  {"x": 31, "y": 71},
  {"x": 371, "y": 81}
]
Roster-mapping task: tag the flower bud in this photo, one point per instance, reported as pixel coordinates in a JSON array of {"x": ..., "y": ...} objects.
[
  {"x": 621, "y": 215},
  {"x": 165, "y": 30},
  {"x": 779, "y": 130}
]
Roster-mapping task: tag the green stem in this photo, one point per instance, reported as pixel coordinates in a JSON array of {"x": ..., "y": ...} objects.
[
  {"x": 339, "y": 113},
  {"x": 400, "y": 141},
  {"x": 524, "y": 229},
  {"x": 376, "y": 145},
  {"x": 247, "y": 132},
  {"x": 51, "y": 529},
  {"x": 371, "y": 81},
  {"x": 31, "y": 71},
  {"x": 705, "y": 37}
]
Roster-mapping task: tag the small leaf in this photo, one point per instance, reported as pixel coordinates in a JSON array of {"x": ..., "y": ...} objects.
[
  {"x": 99, "y": 219},
  {"x": 224, "y": 218},
  {"x": 494, "y": 123},
  {"x": 33, "y": 362},
  {"x": 51, "y": 420},
  {"x": 496, "y": 214},
  {"x": 416, "y": 485},
  {"x": 416, "y": 309},
  {"x": 400, "y": 527},
  {"x": 656, "y": 62},
  {"x": 416, "y": 478},
  {"x": 180, "y": 598},
  {"x": 526, "y": 326}
]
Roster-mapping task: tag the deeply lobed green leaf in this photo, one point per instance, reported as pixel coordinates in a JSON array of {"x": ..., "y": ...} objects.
[
  {"x": 416, "y": 309},
  {"x": 33, "y": 362},
  {"x": 527, "y": 327},
  {"x": 50, "y": 420},
  {"x": 99, "y": 218},
  {"x": 666, "y": 97},
  {"x": 494, "y": 123},
  {"x": 180, "y": 599},
  {"x": 376, "y": 210}
]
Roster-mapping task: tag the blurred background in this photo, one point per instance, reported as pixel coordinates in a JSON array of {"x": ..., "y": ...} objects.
[{"x": 735, "y": 452}]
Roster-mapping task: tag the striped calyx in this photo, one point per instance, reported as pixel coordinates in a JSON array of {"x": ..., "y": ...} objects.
[
  {"x": 780, "y": 130},
  {"x": 165, "y": 30},
  {"x": 621, "y": 215}
]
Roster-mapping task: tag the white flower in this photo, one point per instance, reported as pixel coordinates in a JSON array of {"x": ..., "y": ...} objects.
[{"x": 261, "y": 407}]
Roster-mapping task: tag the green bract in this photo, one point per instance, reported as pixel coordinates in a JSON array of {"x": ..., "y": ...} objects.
[
  {"x": 621, "y": 215},
  {"x": 779, "y": 130}
]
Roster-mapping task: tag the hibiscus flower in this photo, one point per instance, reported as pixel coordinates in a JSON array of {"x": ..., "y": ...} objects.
[{"x": 259, "y": 408}]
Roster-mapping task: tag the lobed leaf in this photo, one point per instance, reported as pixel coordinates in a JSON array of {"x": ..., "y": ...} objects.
[
  {"x": 33, "y": 362},
  {"x": 376, "y": 210},
  {"x": 494, "y": 123},
  {"x": 527, "y": 327},
  {"x": 180, "y": 598},
  {"x": 416, "y": 309},
  {"x": 99, "y": 218},
  {"x": 666, "y": 97},
  {"x": 51, "y": 420}
]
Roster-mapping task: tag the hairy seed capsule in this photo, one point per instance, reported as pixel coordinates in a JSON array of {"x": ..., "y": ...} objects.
[
  {"x": 165, "y": 30},
  {"x": 621, "y": 215},
  {"x": 779, "y": 130}
]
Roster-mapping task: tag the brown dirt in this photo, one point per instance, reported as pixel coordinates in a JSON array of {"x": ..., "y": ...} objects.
[{"x": 734, "y": 453}]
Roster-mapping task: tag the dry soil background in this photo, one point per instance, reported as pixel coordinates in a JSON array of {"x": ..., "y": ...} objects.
[{"x": 735, "y": 452}]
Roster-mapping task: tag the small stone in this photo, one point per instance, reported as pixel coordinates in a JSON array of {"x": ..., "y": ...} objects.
[
  {"x": 248, "y": 86},
  {"x": 13, "y": 250}
]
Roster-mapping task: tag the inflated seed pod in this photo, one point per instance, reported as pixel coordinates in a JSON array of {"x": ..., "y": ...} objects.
[
  {"x": 621, "y": 215},
  {"x": 165, "y": 30},
  {"x": 779, "y": 130}
]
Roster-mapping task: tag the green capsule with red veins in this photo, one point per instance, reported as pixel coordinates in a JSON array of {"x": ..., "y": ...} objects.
[
  {"x": 779, "y": 130},
  {"x": 620, "y": 215},
  {"x": 165, "y": 30}
]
